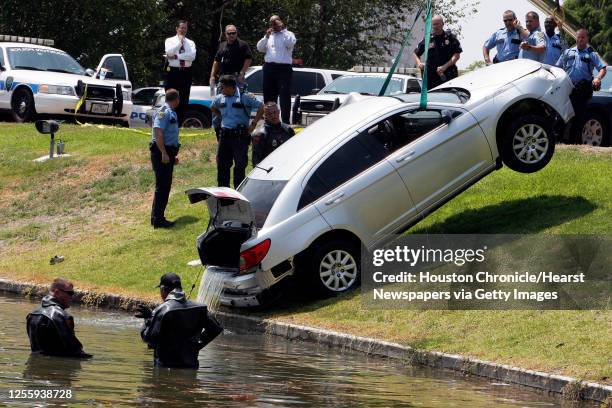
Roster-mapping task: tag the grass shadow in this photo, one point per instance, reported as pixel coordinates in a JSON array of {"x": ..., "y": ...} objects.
[{"x": 185, "y": 220}]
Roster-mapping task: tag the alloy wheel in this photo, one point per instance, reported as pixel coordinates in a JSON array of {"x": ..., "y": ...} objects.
[
  {"x": 530, "y": 143},
  {"x": 338, "y": 270},
  {"x": 592, "y": 132}
]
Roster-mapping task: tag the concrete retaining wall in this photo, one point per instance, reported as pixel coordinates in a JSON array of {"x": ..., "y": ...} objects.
[{"x": 570, "y": 387}]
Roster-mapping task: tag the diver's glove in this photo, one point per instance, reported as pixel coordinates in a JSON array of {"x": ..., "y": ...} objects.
[{"x": 144, "y": 312}]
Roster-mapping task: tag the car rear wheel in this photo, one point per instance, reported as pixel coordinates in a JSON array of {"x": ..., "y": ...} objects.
[
  {"x": 22, "y": 105},
  {"x": 529, "y": 144},
  {"x": 196, "y": 120},
  {"x": 335, "y": 267},
  {"x": 594, "y": 131}
]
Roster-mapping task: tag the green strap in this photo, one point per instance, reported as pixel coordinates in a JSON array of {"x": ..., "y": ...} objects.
[
  {"x": 425, "y": 58},
  {"x": 398, "y": 57}
]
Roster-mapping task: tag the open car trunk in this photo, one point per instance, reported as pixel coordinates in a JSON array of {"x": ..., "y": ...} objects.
[{"x": 231, "y": 223}]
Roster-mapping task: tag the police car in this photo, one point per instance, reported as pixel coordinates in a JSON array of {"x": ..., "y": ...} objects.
[{"x": 36, "y": 79}]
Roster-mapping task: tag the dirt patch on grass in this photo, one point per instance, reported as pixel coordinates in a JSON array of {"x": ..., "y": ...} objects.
[{"x": 586, "y": 149}]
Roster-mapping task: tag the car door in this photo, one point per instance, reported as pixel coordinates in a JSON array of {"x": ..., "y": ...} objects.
[
  {"x": 355, "y": 189},
  {"x": 5, "y": 100},
  {"x": 112, "y": 68},
  {"x": 438, "y": 158}
]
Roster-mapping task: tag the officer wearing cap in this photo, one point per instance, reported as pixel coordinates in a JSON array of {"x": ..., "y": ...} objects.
[
  {"x": 232, "y": 58},
  {"x": 506, "y": 40},
  {"x": 232, "y": 110},
  {"x": 164, "y": 150},
  {"x": 533, "y": 46},
  {"x": 444, "y": 52},
  {"x": 271, "y": 135},
  {"x": 554, "y": 44},
  {"x": 177, "y": 329},
  {"x": 50, "y": 327},
  {"x": 180, "y": 54},
  {"x": 579, "y": 62}
]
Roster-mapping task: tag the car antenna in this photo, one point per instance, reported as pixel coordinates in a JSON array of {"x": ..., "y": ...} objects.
[{"x": 266, "y": 170}]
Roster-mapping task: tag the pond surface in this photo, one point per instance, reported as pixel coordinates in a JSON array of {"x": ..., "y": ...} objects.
[{"x": 235, "y": 371}]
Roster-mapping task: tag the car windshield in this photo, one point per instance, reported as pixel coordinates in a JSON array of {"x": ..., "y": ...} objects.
[
  {"x": 261, "y": 194},
  {"x": 364, "y": 84},
  {"x": 43, "y": 59},
  {"x": 447, "y": 95}
]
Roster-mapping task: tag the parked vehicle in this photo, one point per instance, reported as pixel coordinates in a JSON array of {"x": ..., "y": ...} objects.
[
  {"x": 314, "y": 107},
  {"x": 304, "y": 82},
  {"x": 373, "y": 169},
  {"x": 597, "y": 129},
  {"x": 36, "y": 79}
]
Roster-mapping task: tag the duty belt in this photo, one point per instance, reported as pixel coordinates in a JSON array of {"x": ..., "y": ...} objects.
[{"x": 239, "y": 131}]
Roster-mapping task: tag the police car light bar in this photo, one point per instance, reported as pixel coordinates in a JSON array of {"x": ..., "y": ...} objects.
[
  {"x": 27, "y": 40},
  {"x": 385, "y": 70}
]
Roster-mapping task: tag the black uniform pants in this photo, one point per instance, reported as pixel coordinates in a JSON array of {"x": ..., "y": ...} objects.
[
  {"x": 233, "y": 149},
  {"x": 163, "y": 181},
  {"x": 180, "y": 79},
  {"x": 277, "y": 83},
  {"x": 580, "y": 97}
]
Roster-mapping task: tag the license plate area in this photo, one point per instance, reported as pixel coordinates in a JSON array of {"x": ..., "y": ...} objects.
[{"x": 99, "y": 108}]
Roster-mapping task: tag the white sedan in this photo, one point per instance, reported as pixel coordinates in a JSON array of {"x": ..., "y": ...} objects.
[{"x": 373, "y": 169}]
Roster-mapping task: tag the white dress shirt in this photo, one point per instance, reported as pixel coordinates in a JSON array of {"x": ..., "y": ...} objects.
[
  {"x": 173, "y": 47},
  {"x": 278, "y": 47}
]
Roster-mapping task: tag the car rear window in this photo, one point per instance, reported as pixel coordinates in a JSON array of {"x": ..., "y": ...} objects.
[{"x": 261, "y": 194}]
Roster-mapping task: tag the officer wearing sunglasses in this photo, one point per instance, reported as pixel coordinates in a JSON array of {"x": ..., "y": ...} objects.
[
  {"x": 50, "y": 327},
  {"x": 233, "y": 57}
]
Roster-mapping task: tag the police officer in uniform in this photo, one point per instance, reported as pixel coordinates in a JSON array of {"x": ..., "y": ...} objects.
[
  {"x": 180, "y": 53},
  {"x": 233, "y": 58},
  {"x": 164, "y": 150},
  {"x": 50, "y": 328},
  {"x": 554, "y": 44},
  {"x": 232, "y": 110},
  {"x": 506, "y": 40},
  {"x": 533, "y": 46},
  {"x": 177, "y": 329},
  {"x": 579, "y": 63},
  {"x": 271, "y": 135},
  {"x": 444, "y": 52}
]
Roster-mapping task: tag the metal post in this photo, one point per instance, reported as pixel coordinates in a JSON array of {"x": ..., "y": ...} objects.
[{"x": 51, "y": 146}]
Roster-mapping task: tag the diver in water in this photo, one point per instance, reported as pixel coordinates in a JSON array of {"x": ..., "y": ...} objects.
[{"x": 177, "y": 329}]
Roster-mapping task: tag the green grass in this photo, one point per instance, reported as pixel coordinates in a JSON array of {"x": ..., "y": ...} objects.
[{"x": 93, "y": 208}]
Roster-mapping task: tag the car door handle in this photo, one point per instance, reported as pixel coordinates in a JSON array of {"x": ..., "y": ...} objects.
[
  {"x": 335, "y": 198},
  {"x": 405, "y": 156}
]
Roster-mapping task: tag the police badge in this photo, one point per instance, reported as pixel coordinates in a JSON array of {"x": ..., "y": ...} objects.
[{"x": 447, "y": 42}]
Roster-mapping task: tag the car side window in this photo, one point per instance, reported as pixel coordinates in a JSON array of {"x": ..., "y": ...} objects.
[
  {"x": 302, "y": 83},
  {"x": 354, "y": 157},
  {"x": 255, "y": 82},
  {"x": 411, "y": 125},
  {"x": 413, "y": 86},
  {"x": 2, "y": 58},
  {"x": 334, "y": 76},
  {"x": 115, "y": 67}
]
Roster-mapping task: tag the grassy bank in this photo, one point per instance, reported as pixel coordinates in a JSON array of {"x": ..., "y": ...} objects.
[{"x": 93, "y": 208}]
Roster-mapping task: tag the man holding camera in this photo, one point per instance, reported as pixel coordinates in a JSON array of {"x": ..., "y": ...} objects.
[
  {"x": 278, "y": 45},
  {"x": 232, "y": 110}
]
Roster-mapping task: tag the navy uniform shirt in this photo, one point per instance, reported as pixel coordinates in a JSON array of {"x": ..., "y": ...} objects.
[
  {"x": 236, "y": 109},
  {"x": 535, "y": 38},
  {"x": 579, "y": 64},
  {"x": 166, "y": 120},
  {"x": 506, "y": 42},
  {"x": 441, "y": 48},
  {"x": 554, "y": 48}
]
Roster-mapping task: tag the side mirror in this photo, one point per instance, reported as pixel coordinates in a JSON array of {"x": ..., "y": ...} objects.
[
  {"x": 314, "y": 91},
  {"x": 447, "y": 116},
  {"x": 90, "y": 72},
  {"x": 47, "y": 127}
]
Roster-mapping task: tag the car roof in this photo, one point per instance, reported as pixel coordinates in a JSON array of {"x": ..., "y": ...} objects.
[{"x": 315, "y": 140}]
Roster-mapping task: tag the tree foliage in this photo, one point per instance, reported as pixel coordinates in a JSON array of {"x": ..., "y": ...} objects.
[
  {"x": 330, "y": 33},
  {"x": 596, "y": 17}
]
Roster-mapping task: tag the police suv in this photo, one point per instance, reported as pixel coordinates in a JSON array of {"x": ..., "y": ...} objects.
[{"x": 36, "y": 79}]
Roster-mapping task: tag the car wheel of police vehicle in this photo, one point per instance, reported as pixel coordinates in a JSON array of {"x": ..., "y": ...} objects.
[
  {"x": 22, "y": 105},
  {"x": 335, "y": 267},
  {"x": 529, "y": 144},
  {"x": 594, "y": 131},
  {"x": 196, "y": 120}
]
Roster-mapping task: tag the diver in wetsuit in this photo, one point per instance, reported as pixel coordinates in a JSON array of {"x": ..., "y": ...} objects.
[{"x": 177, "y": 329}]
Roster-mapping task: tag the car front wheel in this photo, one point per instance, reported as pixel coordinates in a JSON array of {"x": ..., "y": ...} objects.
[
  {"x": 335, "y": 267},
  {"x": 22, "y": 105},
  {"x": 594, "y": 131},
  {"x": 196, "y": 120},
  {"x": 529, "y": 144}
]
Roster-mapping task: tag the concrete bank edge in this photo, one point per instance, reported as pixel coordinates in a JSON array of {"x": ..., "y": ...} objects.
[{"x": 499, "y": 372}]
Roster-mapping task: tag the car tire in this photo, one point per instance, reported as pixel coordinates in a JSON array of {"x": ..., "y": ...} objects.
[
  {"x": 196, "y": 120},
  {"x": 528, "y": 144},
  {"x": 22, "y": 105},
  {"x": 595, "y": 131},
  {"x": 335, "y": 267}
]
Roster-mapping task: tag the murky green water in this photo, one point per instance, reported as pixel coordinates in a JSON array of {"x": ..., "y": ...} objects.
[{"x": 235, "y": 371}]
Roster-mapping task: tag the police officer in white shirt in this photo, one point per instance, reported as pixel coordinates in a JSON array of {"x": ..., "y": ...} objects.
[
  {"x": 180, "y": 53},
  {"x": 278, "y": 45}
]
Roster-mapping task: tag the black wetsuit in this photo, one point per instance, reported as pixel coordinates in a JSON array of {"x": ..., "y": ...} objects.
[
  {"x": 178, "y": 330},
  {"x": 51, "y": 331}
]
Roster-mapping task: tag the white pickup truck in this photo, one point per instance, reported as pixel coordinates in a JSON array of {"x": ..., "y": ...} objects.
[{"x": 36, "y": 79}]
